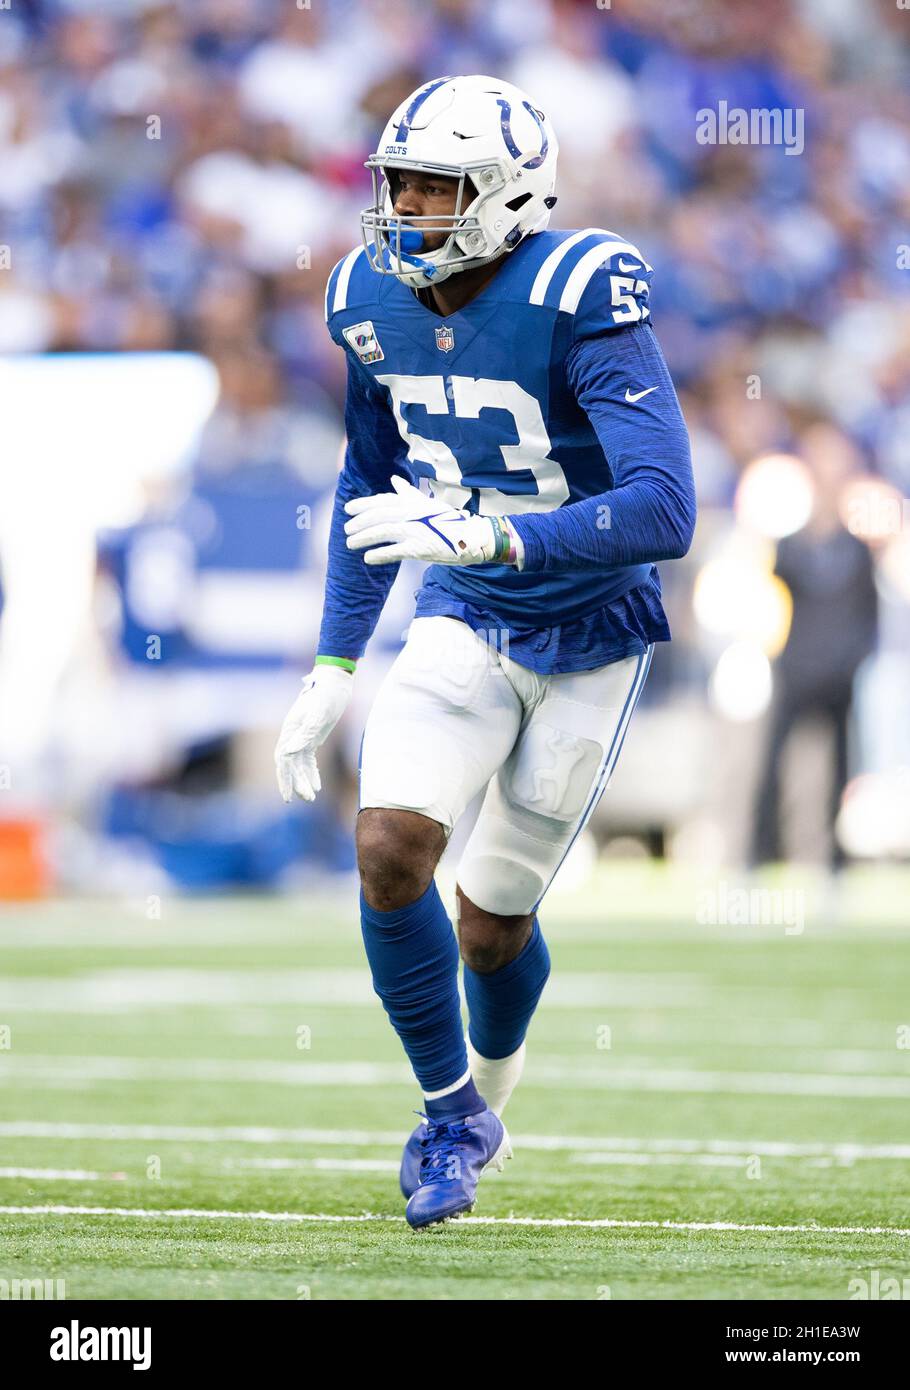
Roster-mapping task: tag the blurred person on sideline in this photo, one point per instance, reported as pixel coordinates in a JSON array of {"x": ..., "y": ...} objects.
[{"x": 830, "y": 575}]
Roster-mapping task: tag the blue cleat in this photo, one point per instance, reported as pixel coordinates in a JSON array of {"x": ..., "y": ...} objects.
[
  {"x": 409, "y": 1176},
  {"x": 453, "y": 1156}
]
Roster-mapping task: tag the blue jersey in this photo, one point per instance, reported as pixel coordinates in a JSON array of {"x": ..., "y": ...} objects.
[{"x": 545, "y": 399}]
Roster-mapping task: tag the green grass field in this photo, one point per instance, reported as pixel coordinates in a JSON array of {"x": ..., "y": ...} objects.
[{"x": 211, "y": 1105}]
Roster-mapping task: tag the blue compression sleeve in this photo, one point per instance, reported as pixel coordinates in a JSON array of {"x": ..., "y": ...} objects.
[
  {"x": 649, "y": 512},
  {"x": 355, "y": 591},
  {"x": 413, "y": 955},
  {"x": 502, "y": 1003}
]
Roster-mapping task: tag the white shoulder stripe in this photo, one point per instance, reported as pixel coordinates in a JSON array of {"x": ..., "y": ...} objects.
[
  {"x": 577, "y": 282},
  {"x": 548, "y": 269},
  {"x": 344, "y": 275},
  {"x": 328, "y": 283}
]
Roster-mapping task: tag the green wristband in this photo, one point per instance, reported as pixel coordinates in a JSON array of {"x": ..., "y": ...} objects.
[
  {"x": 502, "y": 541},
  {"x": 344, "y": 662}
]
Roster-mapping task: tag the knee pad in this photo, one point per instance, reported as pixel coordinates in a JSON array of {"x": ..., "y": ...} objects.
[{"x": 508, "y": 862}]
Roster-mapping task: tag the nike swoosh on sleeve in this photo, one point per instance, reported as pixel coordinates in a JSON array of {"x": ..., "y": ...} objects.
[{"x": 638, "y": 394}]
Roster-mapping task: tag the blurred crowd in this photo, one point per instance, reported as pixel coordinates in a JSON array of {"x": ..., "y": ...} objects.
[{"x": 182, "y": 174}]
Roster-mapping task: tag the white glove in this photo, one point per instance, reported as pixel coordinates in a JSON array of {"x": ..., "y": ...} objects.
[
  {"x": 408, "y": 525},
  {"x": 310, "y": 720}
]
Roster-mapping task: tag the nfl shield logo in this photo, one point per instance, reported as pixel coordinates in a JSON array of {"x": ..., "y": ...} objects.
[{"x": 445, "y": 339}]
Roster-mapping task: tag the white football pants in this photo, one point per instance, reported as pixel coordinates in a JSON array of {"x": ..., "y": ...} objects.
[{"x": 454, "y": 715}]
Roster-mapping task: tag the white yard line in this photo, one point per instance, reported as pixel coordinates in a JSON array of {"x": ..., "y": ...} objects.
[
  {"x": 34, "y": 1069},
  {"x": 604, "y": 1223},
  {"x": 631, "y": 1159},
  {"x": 57, "y": 1174},
  {"x": 693, "y": 1081},
  {"x": 323, "y": 1165},
  {"x": 358, "y": 1138},
  {"x": 84, "y": 1070},
  {"x": 126, "y": 991}
]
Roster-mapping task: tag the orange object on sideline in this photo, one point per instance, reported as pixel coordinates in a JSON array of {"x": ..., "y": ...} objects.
[{"x": 23, "y": 870}]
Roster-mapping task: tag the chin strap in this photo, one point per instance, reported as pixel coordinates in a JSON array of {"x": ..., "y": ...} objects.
[{"x": 437, "y": 273}]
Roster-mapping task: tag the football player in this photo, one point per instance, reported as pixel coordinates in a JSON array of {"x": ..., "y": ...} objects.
[{"x": 510, "y": 420}]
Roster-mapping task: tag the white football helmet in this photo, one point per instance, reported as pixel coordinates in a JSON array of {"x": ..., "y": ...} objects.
[{"x": 469, "y": 128}]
